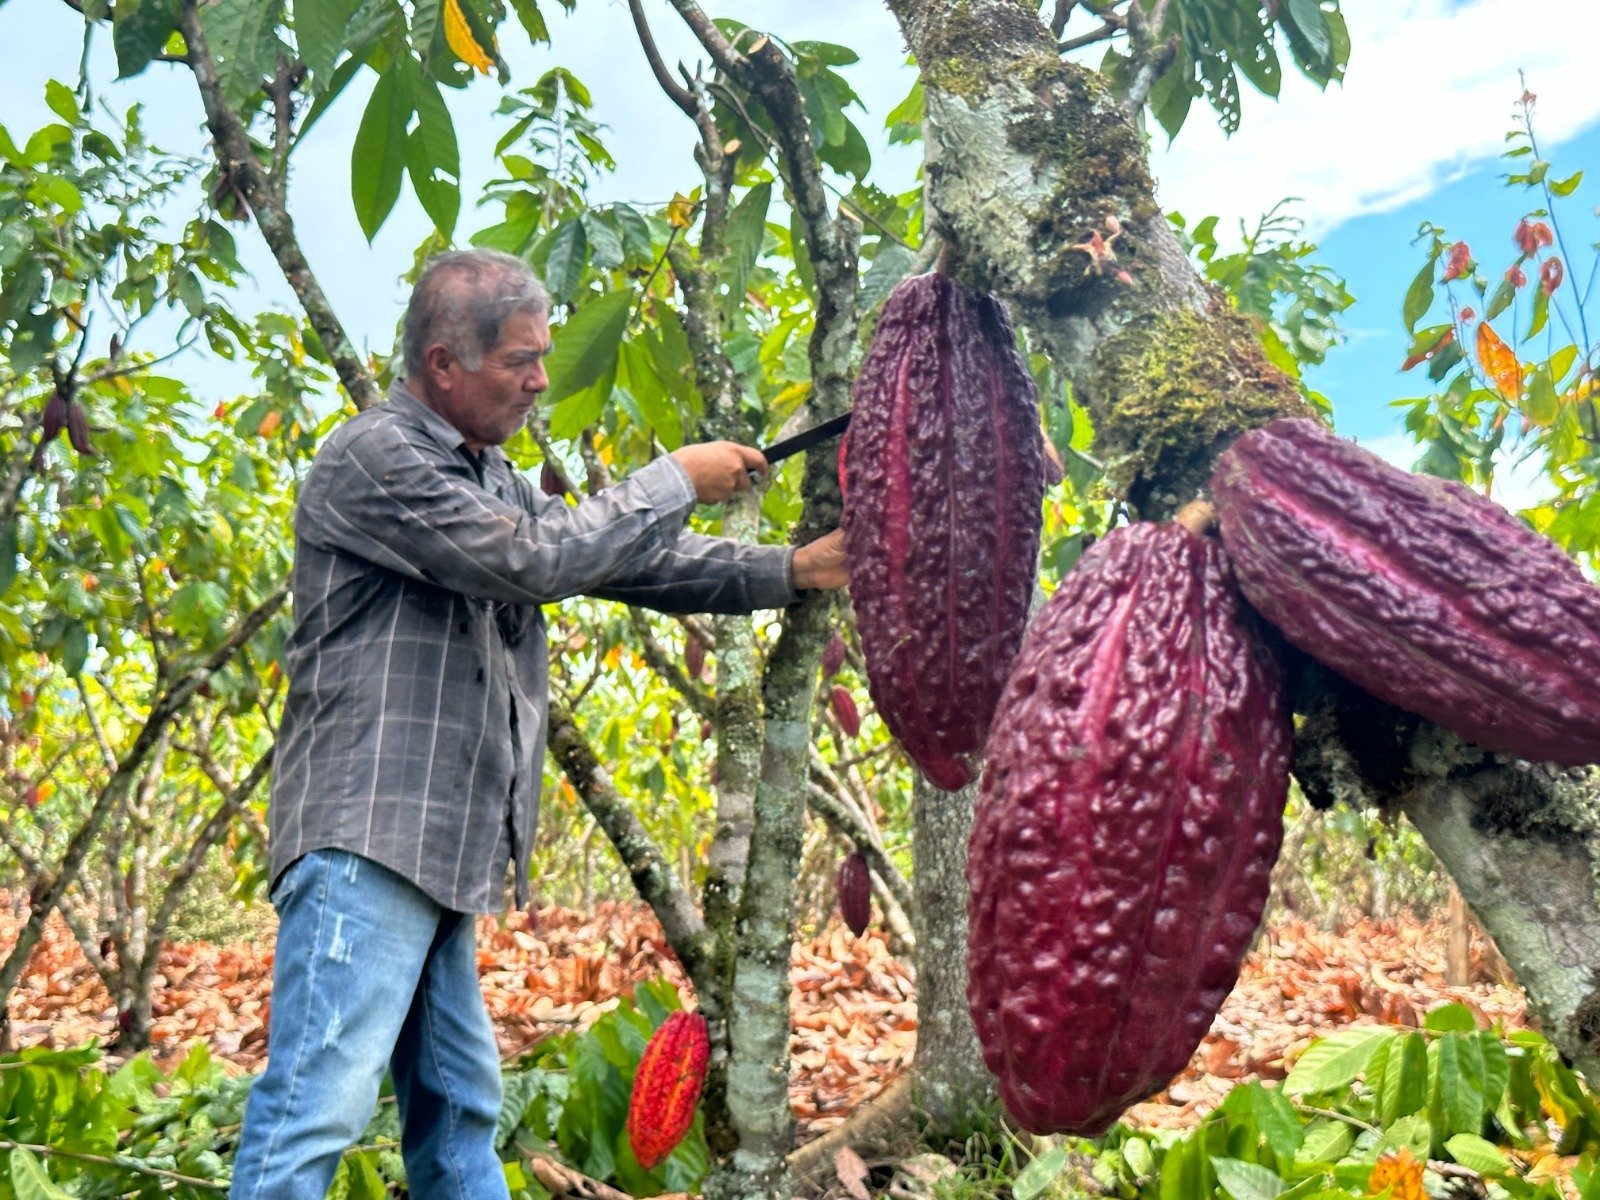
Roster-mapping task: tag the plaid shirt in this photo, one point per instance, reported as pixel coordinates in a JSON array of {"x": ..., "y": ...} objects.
[{"x": 413, "y": 733}]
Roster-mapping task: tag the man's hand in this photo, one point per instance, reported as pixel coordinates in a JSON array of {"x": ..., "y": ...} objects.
[
  {"x": 719, "y": 469},
  {"x": 821, "y": 564}
]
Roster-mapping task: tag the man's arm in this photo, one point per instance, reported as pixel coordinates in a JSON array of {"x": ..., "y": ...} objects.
[{"x": 409, "y": 507}]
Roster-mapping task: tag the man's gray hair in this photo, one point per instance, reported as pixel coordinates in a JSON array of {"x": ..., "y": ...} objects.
[{"x": 462, "y": 298}]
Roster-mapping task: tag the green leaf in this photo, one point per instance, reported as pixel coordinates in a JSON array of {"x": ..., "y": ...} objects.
[
  {"x": 532, "y": 20},
  {"x": 636, "y": 243},
  {"x": 1539, "y": 402},
  {"x": 378, "y": 155},
  {"x": 1034, "y": 1178},
  {"x": 1565, "y": 187},
  {"x": 1326, "y": 1142},
  {"x": 424, "y": 25},
  {"x": 1247, "y": 1180},
  {"x": 1450, "y": 1018},
  {"x": 1277, "y": 1119},
  {"x": 1405, "y": 1083},
  {"x": 243, "y": 35},
  {"x": 1413, "y": 1132},
  {"x": 605, "y": 240},
  {"x": 564, "y": 263},
  {"x": 75, "y": 648},
  {"x": 139, "y": 31},
  {"x": 1541, "y": 313},
  {"x": 1477, "y": 1154},
  {"x": 637, "y": 372},
  {"x": 319, "y": 30},
  {"x": 61, "y": 101},
  {"x": 585, "y": 347},
  {"x": 1336, "y": 1060},
  {"x": 1458, "y": 1097},
  {"x": 1500, "y": 300},
  {"x": 890, "y": 265},
  {"x": 8, "y": 556},
  {"x": 29, "y": 1179},
  {"x": 747, "y": 227},
  {"x": 432, "y": 156},
  {"x": 1419, "y": 296}
]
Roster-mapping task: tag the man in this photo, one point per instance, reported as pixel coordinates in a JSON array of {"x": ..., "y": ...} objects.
[{"x": 414, "y": 728}]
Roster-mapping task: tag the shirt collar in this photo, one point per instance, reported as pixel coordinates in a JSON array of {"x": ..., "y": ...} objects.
[{"x": 405, "y": 402}]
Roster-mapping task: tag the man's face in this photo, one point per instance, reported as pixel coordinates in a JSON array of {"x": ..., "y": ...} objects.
[{"x": 490, "y": 404}]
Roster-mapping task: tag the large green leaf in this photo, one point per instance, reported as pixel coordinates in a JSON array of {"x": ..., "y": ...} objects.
[
  {"x": 432, "y": 156},
  {"x": 378, "y": 155},
  {"x": 564, "y": 261},
  {"x": 1405, "y": 1081},
  {"x": 319, "y": 29},
  {"x": 1247, "y": 1180},
  {"x": 30, "y": 1181},
  {"x": 243, "y": 35},
  {"x": 1336, "y": 1060},
  {"x": 747, "y": 227},
  {"x": 585, "y": 347},
  {"x": 1419, "y": 296},
  {"x": 139, "y": 31}
]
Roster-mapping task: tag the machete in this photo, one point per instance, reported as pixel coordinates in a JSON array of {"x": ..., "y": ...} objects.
[{"x": 817, "y": 434}]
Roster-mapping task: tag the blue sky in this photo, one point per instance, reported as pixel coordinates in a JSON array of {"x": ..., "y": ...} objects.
[{"x": 1413, "y": 134}]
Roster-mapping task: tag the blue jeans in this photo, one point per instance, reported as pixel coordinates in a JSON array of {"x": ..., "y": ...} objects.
[{"x": 370, "y": 972}]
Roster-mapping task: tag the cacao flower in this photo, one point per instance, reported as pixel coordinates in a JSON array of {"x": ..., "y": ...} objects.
[
  {"x": 942, "y": 512},
  {"x": 1551, "y": 273},
  {"x": 1468, "y": 314},
  {"x": 78, "y": 428},
  {"x": 1459, "y": 263},
  {"x": 833, "y": 656},
  {"x": 1516, "y": 277},
  {"x": 1132, "y": 807},
  {"x": 845, "y": 711},
  {"x": 853, "y": 882},
  {"x": 666, "y": 1087},
  {"x": 1417, "y": 590}
]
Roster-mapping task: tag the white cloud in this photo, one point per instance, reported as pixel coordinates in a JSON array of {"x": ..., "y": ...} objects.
[{"x": 1430, "y": 90}]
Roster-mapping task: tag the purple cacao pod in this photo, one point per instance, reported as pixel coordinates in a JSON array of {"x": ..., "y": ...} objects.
[
  {"x": 550, "y": 482},
  {"x": 1417, "y": 590},
  {"x": 78, "y": 428},
  {"x": 55, "y": 417},
  {"x": 694, "y": 656},
  {"x": 845, "y": 711},
  {"x": 1131, "y": 811},
  {"x": 853, "y": 882},
  {"x": 833, "y": 656},
  {"x": 945, "y": 477}
]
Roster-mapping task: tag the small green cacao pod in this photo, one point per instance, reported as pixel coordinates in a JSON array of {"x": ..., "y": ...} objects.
[
  {"x": 666, "y": 1087},
  {"x": 853, "y": 882}
]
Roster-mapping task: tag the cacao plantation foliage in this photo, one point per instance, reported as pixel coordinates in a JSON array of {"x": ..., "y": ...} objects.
[{"x": 720, "y": 768}]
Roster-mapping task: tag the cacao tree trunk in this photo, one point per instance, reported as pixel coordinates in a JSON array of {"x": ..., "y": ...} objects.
[{"x": 951, "y": 1088}]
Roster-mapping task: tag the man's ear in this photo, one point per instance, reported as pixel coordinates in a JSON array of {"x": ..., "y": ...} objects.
[{"x": 437, "y": 360}]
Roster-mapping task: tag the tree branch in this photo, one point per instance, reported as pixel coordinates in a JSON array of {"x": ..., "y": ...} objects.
[
  {"x": 236, "y": 157},
  {"x": 652, "y": 874},
  {"x": 662, "y": 664},
  {"x": 675, "y": 91}
]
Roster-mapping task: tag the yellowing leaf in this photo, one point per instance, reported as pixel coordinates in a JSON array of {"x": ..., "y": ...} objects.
[
  {"x": 269, "y": 424},
  {"x": 458, "y": 33},
  {"x": 1401, "y": 1173},
  {"x": 1499, "y": 362},
  {"x": 680, "y": 212}
]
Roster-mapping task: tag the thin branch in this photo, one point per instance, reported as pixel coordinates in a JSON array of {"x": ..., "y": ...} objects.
[
  {"x": 1063, "y": 13},
  {"x": 1107, "y": 30},
  {"x": 108, "y": 756},
  {"x": 236, "y": 156},
  {"x": 654, "y": 877},
  {"x": 675, "y": 91},
  {"x": 663, "y": 665},
  {"x": 124, "y": 1162}
]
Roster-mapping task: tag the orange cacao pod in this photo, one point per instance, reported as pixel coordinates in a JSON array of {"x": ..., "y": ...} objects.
[{"x": 666, "y": 1087}]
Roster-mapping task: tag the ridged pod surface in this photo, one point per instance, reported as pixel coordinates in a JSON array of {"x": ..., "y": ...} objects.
[
  {"x": 1417, "y": 590},
  {"x": 854, "y": 885},
  {"x": 943, "y": 483},
  {"x": 1131, "y": 813},
  {"x": 666, "y": 1087}
]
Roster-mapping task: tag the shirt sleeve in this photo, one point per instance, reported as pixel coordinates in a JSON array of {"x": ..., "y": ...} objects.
[
  {"x": 409, "y": 506},
  {"x": 693, "y": 573}
]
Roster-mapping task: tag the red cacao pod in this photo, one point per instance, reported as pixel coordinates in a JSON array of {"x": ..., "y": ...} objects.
[
  {"x": 1417, "y": 590},
  {"x": 1131, "y": 811},
  {"x": 694, "y": 656},
  {"x": 853, "y": 882},
  {"x": 833, "y": 656},
  {"x": 666, "y": 1087},
  {"x": 550, "y": 481},
  {"x": 845, "y": 711},
  {"x": 942, "y": 512}
]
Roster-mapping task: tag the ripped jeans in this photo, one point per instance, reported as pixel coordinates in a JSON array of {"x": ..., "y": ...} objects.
[{"x": 370, "y": 972}]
